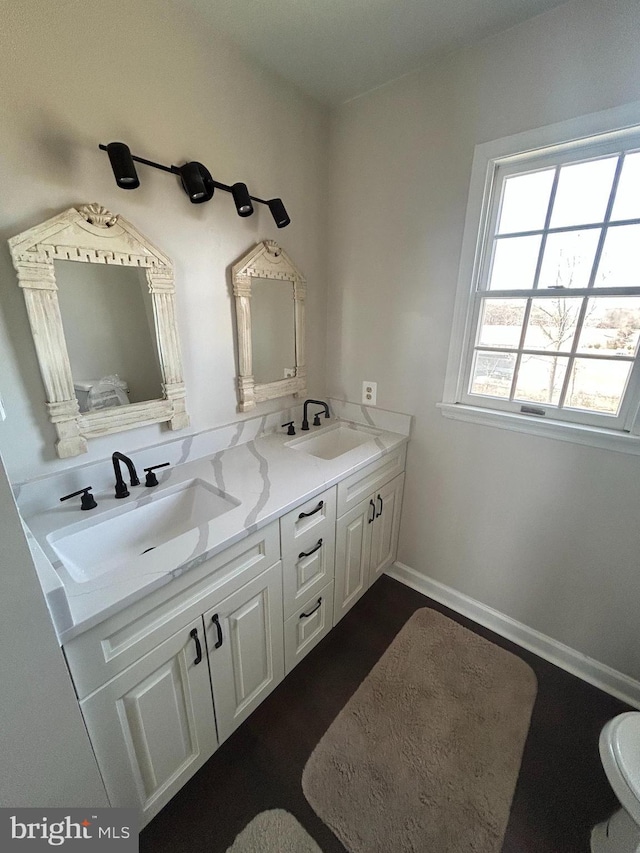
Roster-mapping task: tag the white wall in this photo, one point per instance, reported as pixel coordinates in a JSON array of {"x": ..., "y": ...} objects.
[
  {"x": 544, "y": 531},
  {"x": 149, "y": 73},
  {"x": 45, "y": 752}
]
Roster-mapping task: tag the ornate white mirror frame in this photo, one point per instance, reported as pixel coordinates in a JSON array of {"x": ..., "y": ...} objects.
[
  {"x": 93, "y": 235},
  {"x": 267, "y": 260}
]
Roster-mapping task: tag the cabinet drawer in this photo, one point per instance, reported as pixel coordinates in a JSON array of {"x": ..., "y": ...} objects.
[
  {"x": 106, "y": 650},
  {"x": 358, "y": 486},
  {"x": 307, "y": 523},
  {"x": 308, "y": 563},
  {"x": 307, "y": 627}
]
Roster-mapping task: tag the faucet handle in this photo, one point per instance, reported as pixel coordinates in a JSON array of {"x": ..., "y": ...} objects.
[
  {"x": 151, "y": 479},
  {"x": 291, "y": 430},
  {"x": 87, "y": 501}
]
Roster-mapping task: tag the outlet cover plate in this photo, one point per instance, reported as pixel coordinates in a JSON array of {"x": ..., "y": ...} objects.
[{"x": 369, "y": 392}]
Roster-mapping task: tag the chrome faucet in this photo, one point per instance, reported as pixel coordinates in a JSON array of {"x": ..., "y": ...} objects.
[
  {"x": 316, "y": 418},
  {"x": 121, "y": 488}
]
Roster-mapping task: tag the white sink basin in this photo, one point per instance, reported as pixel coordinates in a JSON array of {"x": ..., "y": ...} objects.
[
  {"x": 333, "y": 441},
  {"x": 88, "y": 550}
]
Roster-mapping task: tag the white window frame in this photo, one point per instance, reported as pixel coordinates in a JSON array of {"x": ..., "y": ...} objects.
[{"x": 604, "y": 131}]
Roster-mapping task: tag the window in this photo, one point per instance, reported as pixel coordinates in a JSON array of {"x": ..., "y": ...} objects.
[{"x": 548, "y": 311}]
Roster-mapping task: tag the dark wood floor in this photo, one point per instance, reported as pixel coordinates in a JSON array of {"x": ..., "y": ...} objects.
[{"x": 561, "y": 792}]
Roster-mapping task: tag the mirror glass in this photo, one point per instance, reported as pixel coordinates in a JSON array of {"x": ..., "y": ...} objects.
[
  {"x": 108, "y": 320},
  {"x": 273, "y": 340}
]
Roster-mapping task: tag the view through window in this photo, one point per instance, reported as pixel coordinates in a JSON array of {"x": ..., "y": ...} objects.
[{"x": 556, "y": 311}]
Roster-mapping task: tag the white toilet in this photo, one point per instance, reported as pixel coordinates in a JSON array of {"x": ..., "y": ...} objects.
[{"x": 620, "y": 754}]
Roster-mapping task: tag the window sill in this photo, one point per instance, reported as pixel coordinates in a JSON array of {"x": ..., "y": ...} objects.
[{"x": 559, "y": 430}]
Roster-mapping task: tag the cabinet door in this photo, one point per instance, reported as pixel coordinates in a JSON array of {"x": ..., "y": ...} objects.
[
  {"x": 245, "y": 646},
  {"x": 385, "y": 528},
  {"x": 353, "y": 549},
  {"x": 153, "y": 726}
]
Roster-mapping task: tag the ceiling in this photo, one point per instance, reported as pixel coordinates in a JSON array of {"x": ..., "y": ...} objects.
[{"x": 335, "y": 50}]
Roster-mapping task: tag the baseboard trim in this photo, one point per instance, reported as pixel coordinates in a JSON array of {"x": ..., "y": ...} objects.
[{"x": 592, "y": 671}]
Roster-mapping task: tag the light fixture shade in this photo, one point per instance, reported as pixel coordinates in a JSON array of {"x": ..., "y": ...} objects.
[
  {"x": 124, "y": 170},
  {"x": 278, "y": 212},
  {"x": 242, "y": 199},
  {"x": 196, "y": 182}
]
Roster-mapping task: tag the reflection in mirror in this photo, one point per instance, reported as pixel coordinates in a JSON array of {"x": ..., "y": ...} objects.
[
  {"x": 107, "y": 315},
  {"x": 273, "y": 335}
]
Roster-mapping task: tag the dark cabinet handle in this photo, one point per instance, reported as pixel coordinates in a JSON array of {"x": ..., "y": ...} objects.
[
  {"x": 194, "y": 636},
  {"x": 373, "y": 514},
  {"x": 312, "y": 551},
  {"x": 313, "y": 511},
  {"x": 312, "y": 611},
  {"x": 379, "y": 513},
  {"x": 216, "y": 622}
]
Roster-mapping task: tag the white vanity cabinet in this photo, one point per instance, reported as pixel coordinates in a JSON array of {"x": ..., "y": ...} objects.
[
  {"x": 153, "y": 725},
  {"x": 151, "y": 720},
  {"x": 367, "y": 530},
  {"x": 102, "y": 652},
  {"x": 164, "y": 681}
]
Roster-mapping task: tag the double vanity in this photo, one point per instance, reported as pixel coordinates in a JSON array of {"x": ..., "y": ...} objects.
[
  {"x": 180, "y": 607},
  {"x": 182, "y": 601}
]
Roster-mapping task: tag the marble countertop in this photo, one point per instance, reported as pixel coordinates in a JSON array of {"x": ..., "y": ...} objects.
[{"x": 265, "y": 478}]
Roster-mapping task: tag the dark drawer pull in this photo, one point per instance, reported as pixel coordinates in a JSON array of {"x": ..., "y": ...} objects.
[
  {"x": 216, "y": 622},
  {"x": 313, "y": 511},
  {"x": 312, "y": 551},
  {"x": 373, "y": 514},
  {"x": 194, "y": 636},
  {"x": 379, "y": 513},
  {"x": 312, "y": 611}
]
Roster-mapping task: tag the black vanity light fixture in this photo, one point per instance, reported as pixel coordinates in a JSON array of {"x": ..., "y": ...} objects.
[
  {"x": 196, "y": 181},
  {"x": 122, "y": 165}
]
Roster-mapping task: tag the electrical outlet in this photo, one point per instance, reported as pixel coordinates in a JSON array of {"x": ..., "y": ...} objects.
[
  {"x": 289, "y": 372},
  {"x": 369, "y": 392}
]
